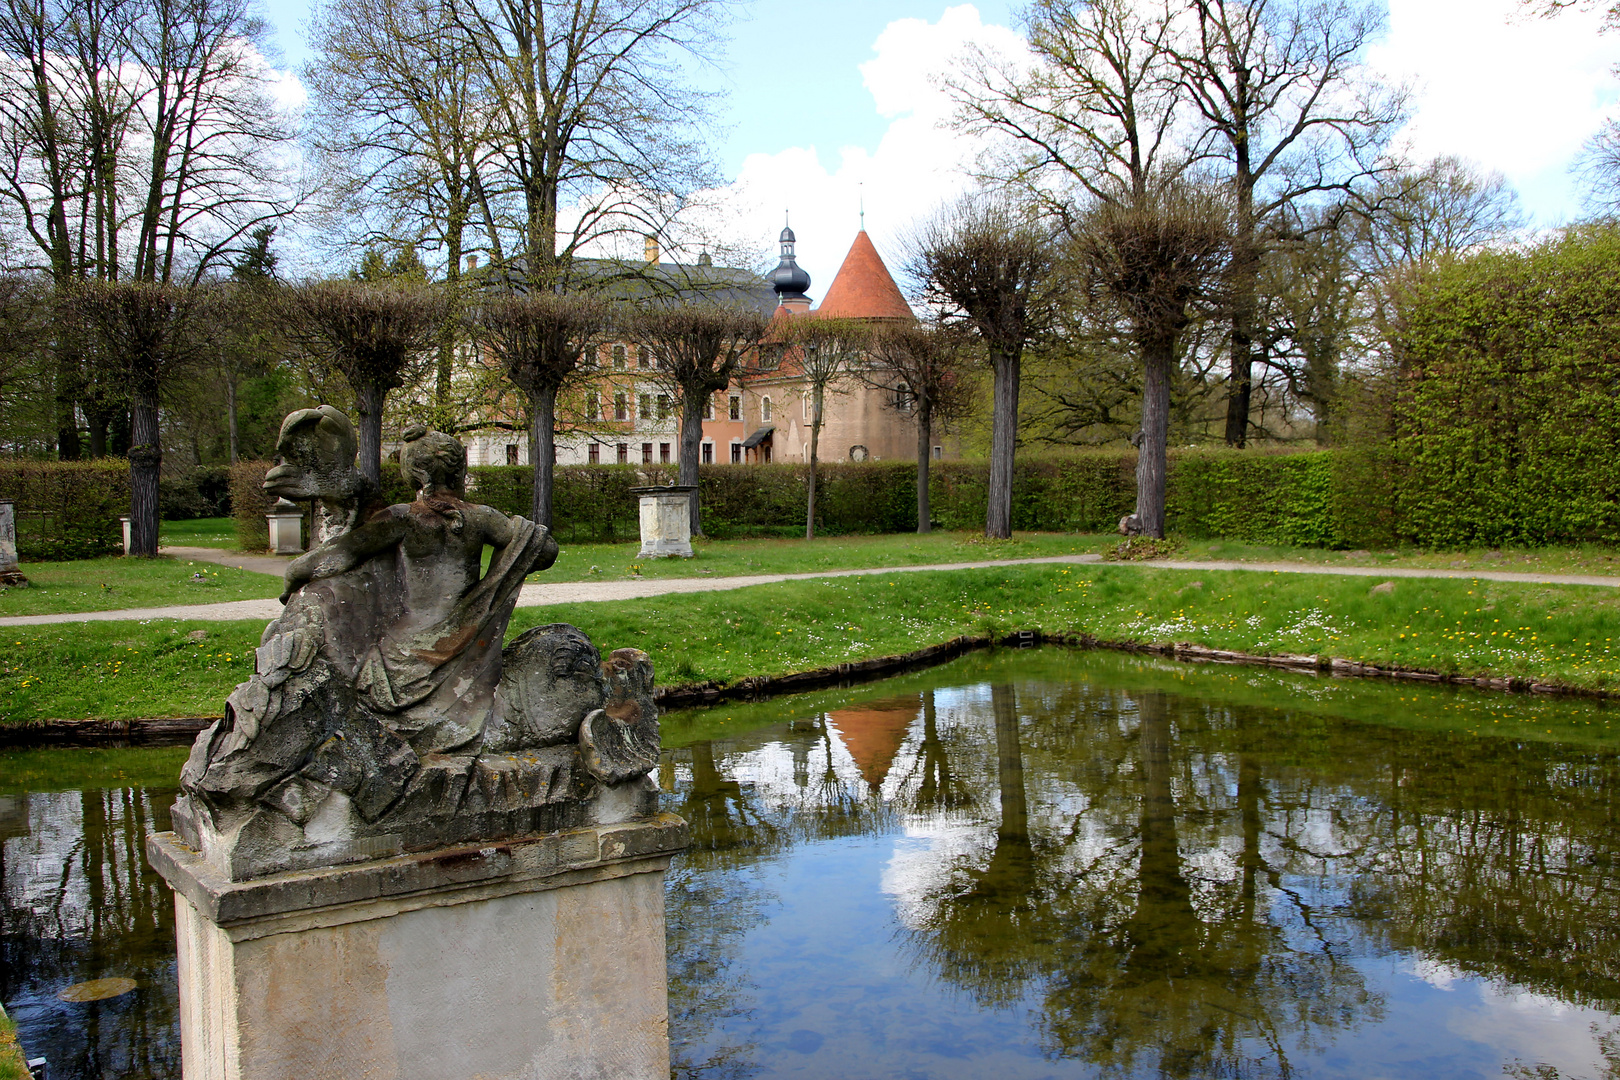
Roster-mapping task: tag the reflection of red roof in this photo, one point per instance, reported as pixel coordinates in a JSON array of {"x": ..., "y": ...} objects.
[
  {"x": 874, "y": 733},
  {"x": 863, "y": 288}
]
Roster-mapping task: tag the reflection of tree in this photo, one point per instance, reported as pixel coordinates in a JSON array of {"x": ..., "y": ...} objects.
[{"x": 99, "y": 912}]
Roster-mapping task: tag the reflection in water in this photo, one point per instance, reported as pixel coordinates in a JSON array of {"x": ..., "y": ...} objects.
[
  {"x": 1136, "y": 882},
  {"x": 78, "y": 903},
  {"x": 1024, "y": 865}
]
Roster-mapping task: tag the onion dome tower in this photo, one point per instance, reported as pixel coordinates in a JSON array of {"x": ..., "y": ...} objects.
[{"x": 789, "y": 280}]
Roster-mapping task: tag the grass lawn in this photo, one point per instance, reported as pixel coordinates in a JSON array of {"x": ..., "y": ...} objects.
[
  {"x": 117, "y": 583},
  {"x": 1581, "y": 559},
  {"x": 1566, "y": 634},
  {"x": 199, "y": 532}
]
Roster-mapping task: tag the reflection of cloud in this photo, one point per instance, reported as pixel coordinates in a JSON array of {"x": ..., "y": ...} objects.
[
  {"x": 1436, "y": 973},
  {"x": 1531, "y": 1027}
]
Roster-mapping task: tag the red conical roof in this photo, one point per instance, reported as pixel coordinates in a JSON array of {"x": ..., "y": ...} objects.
[{"x": 863, "y": 288}]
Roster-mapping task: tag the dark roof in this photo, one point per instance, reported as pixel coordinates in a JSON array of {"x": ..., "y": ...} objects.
[
  {"x": 630, "y": 279},
  {"x": 758, "y": 437}
]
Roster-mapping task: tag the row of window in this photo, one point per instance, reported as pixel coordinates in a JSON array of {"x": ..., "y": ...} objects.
[
  {"x": 770, "y": 358},
  {"x": 593, "y": 453},
  {"x": 660, "y": 407}
]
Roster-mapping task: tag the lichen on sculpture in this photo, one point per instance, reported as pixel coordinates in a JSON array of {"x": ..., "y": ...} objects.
[{"x": 384, "y": 715}]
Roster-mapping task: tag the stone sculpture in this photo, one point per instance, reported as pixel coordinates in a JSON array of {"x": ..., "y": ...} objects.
[{"x": 384, "y": 715}]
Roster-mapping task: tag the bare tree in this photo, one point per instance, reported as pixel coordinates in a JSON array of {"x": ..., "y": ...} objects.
[
  {"x": 539, "y": 339},
  {"x": 373, "y": 335},
  {"x": 147, "y": 330},
  {"x": 827, "y": 353},
  {"x": 700, "y": 349},
  {"x": 1154, "y": 259},
  {"x": 989, "y": 266},
  {"x": 1447, "y": 207},
  {"x": 1287, "y": 106},
  {"x": 923, "y": 370}
]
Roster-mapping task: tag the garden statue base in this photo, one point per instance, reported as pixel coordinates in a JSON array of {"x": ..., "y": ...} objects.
[
  {"x": 666, "y": 521},
  {"x": 10, "y": 575},
  {"x": 410, "y": 848},
  {"x": 540, "y": 956}
]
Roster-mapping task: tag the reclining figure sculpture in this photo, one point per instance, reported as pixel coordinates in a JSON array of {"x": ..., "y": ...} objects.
[{"x": 383, "y": 715}]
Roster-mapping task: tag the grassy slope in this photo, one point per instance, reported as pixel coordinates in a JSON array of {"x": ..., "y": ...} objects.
[
  {"x": 1567, "y": 634},
  {"x": 118, "y": 583}
]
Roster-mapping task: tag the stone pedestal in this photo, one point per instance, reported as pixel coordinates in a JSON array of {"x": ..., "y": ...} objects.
[
  {"x": 9, "y": 572},
  {"x": 129, "y": 534},
  {"x": 533, "y": 957},
  {"x": 286, "y": 523},
  {"x": 666, "y": 521}
]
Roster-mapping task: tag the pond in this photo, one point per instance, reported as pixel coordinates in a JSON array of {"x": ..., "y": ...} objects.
[{"x": 1023, "y": 864}]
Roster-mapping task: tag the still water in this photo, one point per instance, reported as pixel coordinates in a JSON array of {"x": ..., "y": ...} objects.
[{"x": 1027, "y": 864}]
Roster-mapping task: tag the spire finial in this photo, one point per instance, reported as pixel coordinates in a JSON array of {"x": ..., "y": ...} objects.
[{"x": 862, "y": 189}]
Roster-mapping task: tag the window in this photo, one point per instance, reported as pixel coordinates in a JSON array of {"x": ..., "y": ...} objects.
[
  {"x": 939, "y": 453},
  {"x": 663, "y": 406},
  {"x": 663, "y": 452},
  {"x": 805, "y": 400},
  {"x": 618, "y": 357},
  {"x": 708, "y": 407},
  {"x": 589, "y": 359},
  {"x": 621, "y": 406},
  {"x": 594, "y": 454},
  {"x": 593, "y": 407},
  {"x": 646, "y": 407},
  {"x": 646, "y": 453},
  {"x": 736, "y": 453},
  {"x": 644, "y": 358},
  {"x": 708, "y": 453},
  {"x": 624, "y": 453},
  {"x": 770, "y": 358},
  {"x": 903, "y": 399},
  {"x": 765, "y": 410},
  {"x": 511, "y": 453},
  {"x": 734, "y": 408}
]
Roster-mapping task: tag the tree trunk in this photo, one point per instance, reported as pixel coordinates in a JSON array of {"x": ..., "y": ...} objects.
[
  {"x": 1003, "y": 443},
  {"x": 67, "y": 421},
  {"x": 925, "y": 439},
  {"x": 692, "y": 399},
  {"x": 542, "y": 452},
  {"x": 1157, "y": 356},
  {"x": 145, "y": 461},
  {"x": 368, "y": 406},
  {"x": 1245, "y": 280},
  {"x": 815, "y": 439},
  {"x": 230, "y": 413}
]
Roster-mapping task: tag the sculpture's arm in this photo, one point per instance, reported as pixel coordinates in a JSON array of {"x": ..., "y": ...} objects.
[
  {"x": 497, "y": 532},
  {"x": 343, "y": 553}
]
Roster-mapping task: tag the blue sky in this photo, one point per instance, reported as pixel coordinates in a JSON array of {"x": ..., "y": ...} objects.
[{"x": 828, "y": 103}]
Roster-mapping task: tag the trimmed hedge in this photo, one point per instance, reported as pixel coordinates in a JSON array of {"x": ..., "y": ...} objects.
[
  {"x": 67, "y": 509},
  {"x": 203, "y": 492}
]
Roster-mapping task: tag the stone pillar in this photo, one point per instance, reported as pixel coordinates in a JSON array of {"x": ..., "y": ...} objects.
[
  {"x": 666, "y": 521},
  {"x": 129, "y": 536},
  {"x": 9, "y": 572},
  {"x": 286, "y": 522},
  {"x": 534, "y": 957}
]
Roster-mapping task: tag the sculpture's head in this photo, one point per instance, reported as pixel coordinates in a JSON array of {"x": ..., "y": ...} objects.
[
  {"x": 315, "y": 457},
  {"x": 433, "y": 463},
  {"x": 551, "y": 678}
]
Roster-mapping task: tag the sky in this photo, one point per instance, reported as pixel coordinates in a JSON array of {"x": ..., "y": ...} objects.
[{"x": 832, "y": 104}]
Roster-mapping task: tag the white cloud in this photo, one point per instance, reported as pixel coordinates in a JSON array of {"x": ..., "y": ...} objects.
[
  {"x": 915, "y": 166},
  {"x": 1512, "y": 92}
]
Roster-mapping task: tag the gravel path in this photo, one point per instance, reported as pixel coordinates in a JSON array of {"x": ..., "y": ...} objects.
[{"x": 538, "y": 594}]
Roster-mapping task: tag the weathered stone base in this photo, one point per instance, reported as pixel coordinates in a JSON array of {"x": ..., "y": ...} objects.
[{"x": 537, "y": 957}]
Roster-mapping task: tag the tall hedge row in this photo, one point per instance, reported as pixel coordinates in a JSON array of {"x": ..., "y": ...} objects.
[
  {"x": 1506, "y": 424},
  {"x": 67, "y": 509}
]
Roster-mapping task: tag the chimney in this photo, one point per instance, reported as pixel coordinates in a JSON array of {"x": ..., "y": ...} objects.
[
  {"x": 472, "y": 263},
  {"x": 650, "y": 253}
]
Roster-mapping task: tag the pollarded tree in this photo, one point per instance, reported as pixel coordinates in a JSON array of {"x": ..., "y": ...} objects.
[
  {"x": 539, "y": 339},
  {"x": 989, "y": 266},
  {"x": 374, "y": 334},
  {"x": 146, "y": 331},
  {"x": 829, "y": 355},
  {"x": 700, "y": 349},
  {"x": 1154, "y": 260},
  {"x": 923, "y": 369}
]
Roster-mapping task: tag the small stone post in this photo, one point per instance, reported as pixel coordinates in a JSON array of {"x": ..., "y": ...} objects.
[
  {"x": 666, "y": 521},
  {"x": 9, "y": 574},
  {"x": 286, "y": 522},
  {"x": 129, "y": 537}
]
